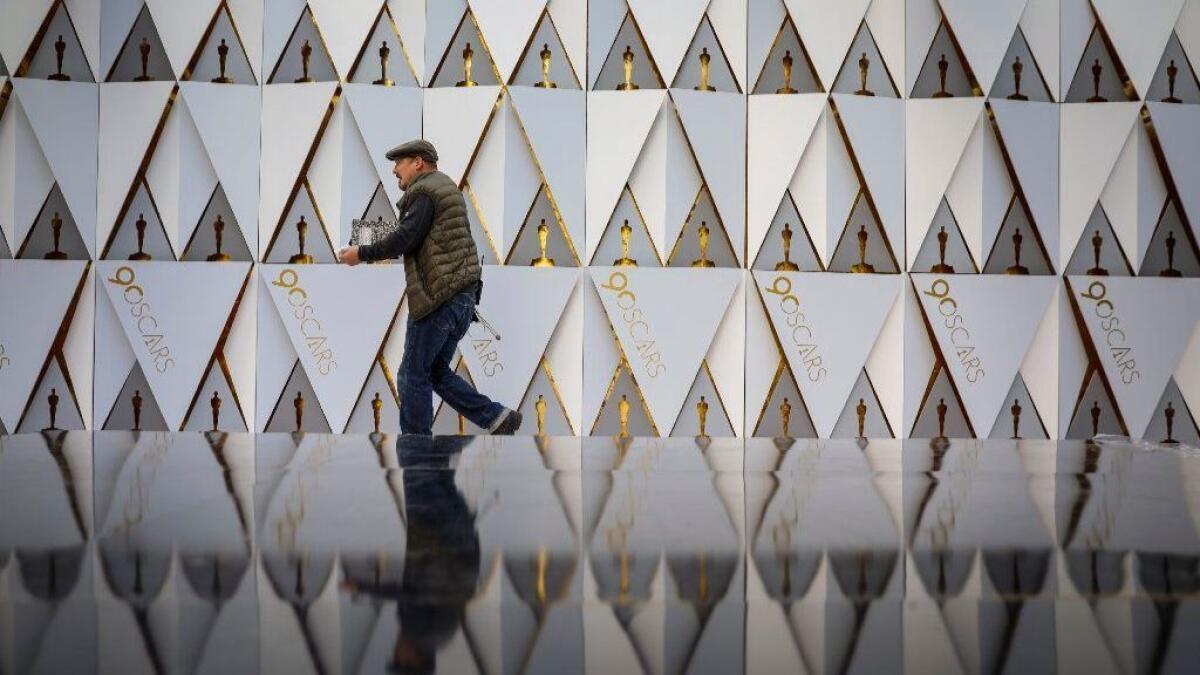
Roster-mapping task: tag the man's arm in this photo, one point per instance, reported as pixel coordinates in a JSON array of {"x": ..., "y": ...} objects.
[{"x": 414, "y": 225}]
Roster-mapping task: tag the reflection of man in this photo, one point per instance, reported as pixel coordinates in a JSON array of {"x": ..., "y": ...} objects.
[{"x": 441, "y": 561}]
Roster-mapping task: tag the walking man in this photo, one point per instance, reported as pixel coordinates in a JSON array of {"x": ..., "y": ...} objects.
[{"x": 443, "y": 276}]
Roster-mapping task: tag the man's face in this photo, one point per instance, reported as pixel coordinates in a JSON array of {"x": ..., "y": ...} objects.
[{"x": 406, "y": 169}]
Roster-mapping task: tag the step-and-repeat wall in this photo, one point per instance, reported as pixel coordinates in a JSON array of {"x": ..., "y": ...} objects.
[{"x": 806, "y": 218}]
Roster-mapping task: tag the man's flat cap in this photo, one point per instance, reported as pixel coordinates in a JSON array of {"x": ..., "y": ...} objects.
[{"x": 417, "y": 148}]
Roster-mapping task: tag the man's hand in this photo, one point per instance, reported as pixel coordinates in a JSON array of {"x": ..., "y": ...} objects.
[{"x": 348, "y": 256}]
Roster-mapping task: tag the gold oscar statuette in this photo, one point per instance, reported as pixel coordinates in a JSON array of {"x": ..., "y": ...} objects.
[
  {"x": 222, "y": 57},
  {"x": 705, "y": 61},
  {"x": 1169, "y": 414},
  {"x": 1095, "y": 418},
  {"x": 787, "y": 75},
  {"x": 625, "y": 260},
  {"x": 56, "y": 224},
  {"x": 52, "y": 401},
  {"x": 943, "y": 65},
  {"x": 144, "y": 52},
  {"x": 627, "y": 65},
  {"x": 1172, "y": 73},
  {"x": 215, "y": 404},
  {"x": 60, "y": 48},
  {"x": 1017, "y": 268},
  {"x": 1170, "y": 270},
  {"x": 1017, "y": 67},
  {"x": 862, "y": 266},
  {"x": 137, "y": 410},
  {"x": 384, "y": 53},
  {"x": 540, "y": 408},
  {"x": 305, "y": 55},
  {"x": 376, "y": 411},
  {"x": 546, "y": 83},
  {"x": 140, "y": 226},
  {"x": 218, "y": 234},
  {"x": 468, "y": 55},
  {"x": 1096, "y": 70},
  {"x": 543, "y": 234},
  {"x": 1097, "y": 242},
  {"x": 298, "y": 404},
  {"x": 941, "y": 267},
  {"x": 702, "y": 415},
  {"x": 1016, "y": 415},
  {"x": 785, "y": 417},
  {"x": 623, "y": 415},
  {"x": 864, "y": 64},
  {"x": 786, "y": 265},
  {"x": 860, "y": 411},
  {"x": 301, "y": 258},
  {"x": 941, "y": 415},
  {"x": 703, "y": 261}
]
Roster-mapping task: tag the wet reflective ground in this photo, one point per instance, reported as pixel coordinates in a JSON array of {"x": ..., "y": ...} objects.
[{"x": 182, "y": 553}]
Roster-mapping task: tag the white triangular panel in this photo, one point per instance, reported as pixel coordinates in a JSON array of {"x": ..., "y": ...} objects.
[
  {"x": 115, "y": 23},
  {"x": 665, "y": 180},
  {"x": 21, "y": 21},
  {"x": 344, "y": 27},
  {"x": 344, "y": 335},
  {"x": 715, "y": 124},
  {"x": 668, "y": 29},
  {"x": 680, "y": 345},
  {"x": 1176, "y": 126},
  {"x": 1157, "y": 317},
  {"x": 85, "y": 17},
  {"x": 555, "y": 123},
  {"x": 970, "y": 194},
  {"x": 359, "y": 178},
  {"x": 27, "y": 341},
  {"x": 175, "y": 351},
  {"x": 276, "y": 32},
  {"x": 571, "y": 20},
  {"x": 248, "y": 17},
  {"x": 1001, "y": 315},
  {"x": 875, "y": 128},
  {"x": 1139, "y": 34},
  {"x": 386, "y": 117},
  {"x": 984, "y": 29},
  {"x": 507, "y": 25},
  {"x": 454, "y": 123},
  {"x": 827, "y": 29},
  {"x": 504, "y": 177},
  {"x": 1029, "y": 131},
  {"x": 181, "y": 25},
  {"x": 129, "y": 115},
  {"x": 827, "y": 358},
  {"x": 181, "y": 176},
  {"x": 295, "y": 113},
  {"x": 726, "y": 359},
  {"x": 779, "y": 131}
]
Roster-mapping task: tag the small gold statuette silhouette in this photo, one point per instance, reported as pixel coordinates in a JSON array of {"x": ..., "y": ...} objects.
[
  {"x": 468, "y": 55},
  {"x": 543, "y": 234},
  {"x": 1095, "y": 418},
  {"x": 140, "y": 226},
  {"x": 860, "y": 411},
  {"x": 1170, "y": 270},
  {"x": 705, "y": 62},
  {"x": 1096, "y": 70},
  {"x": 787, "y": 75},
  {"x": 943, "y": 65},
  {"x": 785, "y": 417},
  {"x": 52, "y": 400},
  {"x": 222, "y": 58},
  {"x": 546, "y": 83},
  {"x": 702, "y": 414},
  {"x": 1017, "y": 67},
  {"x": 703, "y": 261},
  {"x": 941, "y": 267},
  {"x": 786, "y": 265},
  {"x": 1172, "y": 73},
  {"x": 627, "y": 65},
  {"x": 1017, "y": 268},
  {"x": 1016, "y": 417},
  {"x": 864, "y": 65},
  {"x": 623, "y": 415},
  {"x": 941, "y": 415},
  {"x": 301, "y": 258},
  {"x": 862, "y": 266},
  {"x": 60, "y": 48},
  {"x": 219, "y": 235},
  {"x": 215, "y": 404},
  {"x": 1097, "y": 242},
  {"x": 384, "y": 53},
  {"x": 625, "y": 260},
  {"x": 144, "y": 52},
  {"x": 540, "y": 408},
  {"x": 298, "y": 404},
  {"x": 1169, "y": 414},
  {"x": 56, "y": 224},
  {"x": 376, "y": 411},
  {"x": 305, "y": 55},
  {"x": 137, "y": 410}
]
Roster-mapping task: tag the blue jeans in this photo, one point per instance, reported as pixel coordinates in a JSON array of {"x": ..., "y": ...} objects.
[{"x": 428, "y": 349}]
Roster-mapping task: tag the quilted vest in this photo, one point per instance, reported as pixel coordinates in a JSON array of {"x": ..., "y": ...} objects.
[{"x": 447, "y": 260}]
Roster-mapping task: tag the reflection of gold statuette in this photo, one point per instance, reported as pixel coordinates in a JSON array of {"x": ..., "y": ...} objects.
[
  {"x": 787, "y": 75},
  {"x": 1096, "y": 70},
  {"x": 860, "y": 411},
  {"x": 540, "y": 408},
  {"x": 785, "y": 417},
  {"x": 1017, "y": 267},
  {"x": 625, "y": 260},
  {"x": 305, "y": 55},
  {"x": 1016, "y": 415},
  {"x": 384, "y": 53},
  {"x": 545, "y": 83},
  {"x": 144, "y": 52},
  {"x": 941, "y": 267},
  {"x": 60, "y": 48},
  {"x": 627, "y": 65},
  {"x": 864, "y": 64},
  {"x": 1095, "y": 418},
  {"x": 301, "y": 258},
  {"x": 468, "y": 55},
  {"x": 1169, "y": 413},
  {"x": 786, "y": 265},
  {"x": 943, "y": 65},
  {"x": 215, "y": 403},
  {"x": 376, "y": 411},
  {"x": 543, "y": 234},
  {"x": 1097, "y": 242},
  {"x": 703, "y": 261},
  {"x": 222, "y": 57},
  {"x": 298, "y": 403},
  {"x": 1017, "y": 67},
  {"x": 705, "y": 61},
  {"x": 941, "y": 414},
  {"x": 1170, "y": 270},
  {"x": 702, "y": 414},
  {"x": 52, "y": 400},
  {"x": 862, "y": 266},
  {"x": 140, "y": 225},
  {"x": 623, "y": 415},
  {"x": 137, "y": 410},
  {"x": 218, "y": 234},
  {"x": 56, "y": 224},
  {"x": 1172, "y": 73}
]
